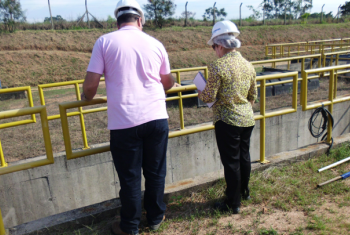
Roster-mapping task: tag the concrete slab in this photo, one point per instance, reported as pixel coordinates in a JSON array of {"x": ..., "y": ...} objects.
[{"x": 95, "y": 213}]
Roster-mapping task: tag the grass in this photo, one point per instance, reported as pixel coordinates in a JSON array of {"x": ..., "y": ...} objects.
[
  {"x": 285, "y": 200},
  {"x": 35, "y": 57}
]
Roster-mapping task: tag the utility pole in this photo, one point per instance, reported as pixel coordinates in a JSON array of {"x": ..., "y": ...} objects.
[
  {"x": 240, "y": 14},
  {"x": 186, "y": 14},
  {"x": 214, "y": 13},
  {"x": 51, "y": 15},
  {"x": 322, "y": 13},
  {"x": 338, "y": 13},
  {"x": 87, "y": 13}
]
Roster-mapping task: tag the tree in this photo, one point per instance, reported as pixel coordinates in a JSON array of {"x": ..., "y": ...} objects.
[
  {"x": 158, "y": 10},
  {"x": 11, "y": 13},
  {"x": 256, "y": 13},
  {"x": 54, "y": 19},
  {"x": 190, "y": 14},
  {"x": 209, "y": 13},
  {"x": 345, "y": 9}
]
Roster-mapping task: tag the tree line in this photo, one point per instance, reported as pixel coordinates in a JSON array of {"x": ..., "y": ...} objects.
[{"x": 158, "y": 12}]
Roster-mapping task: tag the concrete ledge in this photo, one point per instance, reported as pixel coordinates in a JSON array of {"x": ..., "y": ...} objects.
[{"x": 76, "y": 218}]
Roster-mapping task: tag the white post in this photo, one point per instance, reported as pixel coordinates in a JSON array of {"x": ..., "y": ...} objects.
[
  {"x": 240, "y": 14},
  {"x": 50, "y": 15},
  {"x": 214, "y": 13}
]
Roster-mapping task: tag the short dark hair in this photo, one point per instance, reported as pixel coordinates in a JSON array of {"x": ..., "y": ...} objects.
[{"x": 128, "y": 17}]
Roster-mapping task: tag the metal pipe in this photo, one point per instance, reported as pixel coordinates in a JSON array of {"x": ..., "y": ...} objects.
[
  {"x": 334, "y": 164},
  {"x": 50, "y": 15},
  {"x": 186, "y": 14},
  {"x": 2, "y": 227},
  {"x": 87, "y": 13},
  {"x": 322, "y": 13},
  {"x": 2, "y": 158},
  {"x": 240, "y": 14},
  {"x": 214, "y": 13},
  {"x": 343, "y": 176},
  {"x": 262, "y": 121}
]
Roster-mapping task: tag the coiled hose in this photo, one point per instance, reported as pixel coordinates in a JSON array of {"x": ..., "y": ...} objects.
[{"x": 317, "y": 131}]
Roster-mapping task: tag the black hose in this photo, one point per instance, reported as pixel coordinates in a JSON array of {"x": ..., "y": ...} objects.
[{"x": 318, "y": 131}]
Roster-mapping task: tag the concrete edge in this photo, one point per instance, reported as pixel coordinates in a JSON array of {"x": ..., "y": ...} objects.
[{"x": 75, "y": 219}]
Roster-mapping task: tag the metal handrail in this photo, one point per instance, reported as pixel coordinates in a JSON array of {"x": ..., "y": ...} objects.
[
  {"x": 183, "y": 131},
  {"x": 16, "y": 123},
  {"x": 47, "y": 140}
]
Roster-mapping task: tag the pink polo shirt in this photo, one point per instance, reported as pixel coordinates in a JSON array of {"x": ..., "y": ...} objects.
[{"x": 131, "y": 62}]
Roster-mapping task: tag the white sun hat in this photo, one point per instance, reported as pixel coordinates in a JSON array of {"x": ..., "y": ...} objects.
[{"x": 223, "y": 27}]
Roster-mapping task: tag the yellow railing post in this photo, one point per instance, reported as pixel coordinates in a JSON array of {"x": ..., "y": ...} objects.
[
  {"x": 182, "y": 122},
  {"x": 266, "y": 51},
  {"x": 81, "y": 116},
  {"x": 303, "y": 64},
  {"x": 206, "y": 73},
  {"x": 262, "y": 121},
  {"x": 281, "y": 51},
  {"x": 331, "y": 98},
  {"x": 2, "y": 227},
  {"x": 303, "y": 90},
  {"x": 2, "y": 158}
]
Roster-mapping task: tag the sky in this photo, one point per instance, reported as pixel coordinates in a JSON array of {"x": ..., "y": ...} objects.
[{"x": 37, "y": 10}]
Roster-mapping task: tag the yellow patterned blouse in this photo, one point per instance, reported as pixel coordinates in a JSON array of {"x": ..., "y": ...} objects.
[{"x": 232, "y": 84}]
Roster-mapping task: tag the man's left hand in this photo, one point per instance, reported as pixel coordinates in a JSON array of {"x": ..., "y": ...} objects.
[{"x": 82, "y": 96}]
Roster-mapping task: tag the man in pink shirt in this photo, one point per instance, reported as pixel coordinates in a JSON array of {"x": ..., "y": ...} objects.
[{"x": 137, "y": 71}]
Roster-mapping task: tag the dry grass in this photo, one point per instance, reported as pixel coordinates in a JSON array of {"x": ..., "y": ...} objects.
[
  {"x": 285, "y": 200},
  {"x": 35, "y": 57}
]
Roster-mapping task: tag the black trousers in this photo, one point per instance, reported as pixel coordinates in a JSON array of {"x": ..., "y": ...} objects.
[
  {"x": 143, "y": 146},
  {"x": 233, "y": 144}
]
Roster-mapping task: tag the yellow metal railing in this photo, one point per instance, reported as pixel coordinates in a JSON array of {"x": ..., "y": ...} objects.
[
  {"x": 46, "y": 134},
  {"x": 331, "y": 56},
  {"x": 288, "y": 49},
  {"x": 2, "y": 227},
  {"x": 302, "y": 59},
  {"x": 76, "y": 104},
  {"x": 183, "y": 131},
  {"x": 332, "y": 97},
  {"x": 16, "y": 123},
  {"x": 80, "y": 111},
  {"x": 263, "y": 115}
]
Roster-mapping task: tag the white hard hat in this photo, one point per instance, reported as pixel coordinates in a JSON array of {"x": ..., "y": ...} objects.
[
  {"x": 222, "y": 27},
  {"x": 134, "y": 8}
]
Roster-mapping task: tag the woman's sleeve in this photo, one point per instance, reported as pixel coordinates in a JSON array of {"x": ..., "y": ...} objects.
[
  {"x": 213, "y": 84},
  {"x": 253, "y": 92}
]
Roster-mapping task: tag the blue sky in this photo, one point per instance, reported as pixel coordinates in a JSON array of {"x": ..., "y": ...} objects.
[{"x": 37, "y": 10}]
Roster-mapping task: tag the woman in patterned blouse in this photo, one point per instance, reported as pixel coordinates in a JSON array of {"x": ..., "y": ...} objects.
[{"x": 232, "y": 85}]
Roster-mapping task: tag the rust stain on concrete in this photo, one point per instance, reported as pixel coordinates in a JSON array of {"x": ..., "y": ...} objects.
[{"x": 183, "y": 183}]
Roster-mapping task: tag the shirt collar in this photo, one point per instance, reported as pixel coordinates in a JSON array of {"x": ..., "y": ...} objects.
[
  {"x": 232, "y": 54},
  {"x": 129, "y": 27}
]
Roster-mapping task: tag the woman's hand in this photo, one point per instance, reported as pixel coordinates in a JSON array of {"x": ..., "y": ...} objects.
[{"x": 199, "y": 92}]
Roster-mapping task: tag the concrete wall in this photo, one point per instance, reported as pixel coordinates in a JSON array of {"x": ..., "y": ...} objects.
[{"x": 66, "y": 185}]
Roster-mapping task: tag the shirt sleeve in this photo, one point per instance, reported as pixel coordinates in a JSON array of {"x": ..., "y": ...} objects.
[
  {"x": 96, "y": 64},
  {"x": 165, "y": 66},
  {"x": 213, "y": 84},
  {"x": 253, "y": 92}
]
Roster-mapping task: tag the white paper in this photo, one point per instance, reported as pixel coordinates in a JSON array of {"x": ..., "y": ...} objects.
[{"x": 200, "y": 83}]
